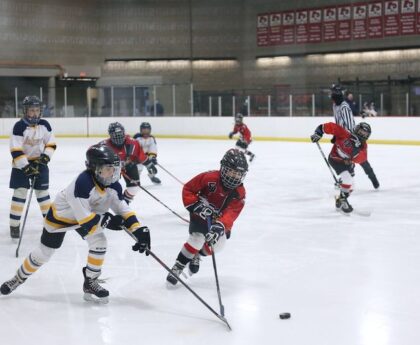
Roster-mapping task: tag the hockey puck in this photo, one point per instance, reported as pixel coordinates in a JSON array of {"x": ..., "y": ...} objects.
[{"x": 284, "y": 316}]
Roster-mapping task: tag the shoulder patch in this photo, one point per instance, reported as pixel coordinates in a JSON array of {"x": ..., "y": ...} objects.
[
  {"x": 117, "y": 187},
  {"x": 84, "y": 184},
  {"x": 46, "y": 124},
  {"x": 19, "y": 128}
]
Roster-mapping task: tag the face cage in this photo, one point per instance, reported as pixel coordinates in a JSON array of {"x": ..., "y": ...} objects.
[
  {"x": 362, "y": 134},
  {"x": 31, "y": 120},
  {"x": 118, "y": 138},
  {"x": 230, "y": 181},
  {"x": 110, "y": 180}
]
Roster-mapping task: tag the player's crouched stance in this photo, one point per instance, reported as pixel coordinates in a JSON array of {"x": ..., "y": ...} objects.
[
  {"x": 349, "y": 148},
  {"x": 218, "y": 195},
  {"x": 83, "y": 206}
]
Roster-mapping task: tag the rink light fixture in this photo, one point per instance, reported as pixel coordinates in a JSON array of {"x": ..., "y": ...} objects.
[{"x": 172, "y": 63}]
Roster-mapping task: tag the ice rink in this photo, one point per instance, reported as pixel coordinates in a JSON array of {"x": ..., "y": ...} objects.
[{"x": 346, "y": 280}]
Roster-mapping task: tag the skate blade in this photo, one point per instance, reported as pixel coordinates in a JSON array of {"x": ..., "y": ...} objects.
[
  {"x": 92, "y": 298},
  {"x": 339, "y": 210}
]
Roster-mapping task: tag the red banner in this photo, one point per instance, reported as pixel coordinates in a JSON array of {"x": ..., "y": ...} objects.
[
  {"x": 375, "y": 20},
  {"x": 408, "y": 17},
  {"x": 391, "y": 18},
  {"x": 344, "y": 22},
  {"x": 262, "y": 30},
  {"x": 288, "y": 27},
  {"x": 302, "y": 33},
  {"x": 275, "y": 35},
  {"x": 329, "y": 29},
  {"x": 418, "y": 17},
  {"x": 359, "y": 23},
  {"x": 315, "y": 26}
]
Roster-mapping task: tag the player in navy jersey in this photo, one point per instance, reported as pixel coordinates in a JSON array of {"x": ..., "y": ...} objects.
[
  {"x": 218, "y": 196},
  {"x": 32, "y": 145},
  {"x": 83, "y": 206}
]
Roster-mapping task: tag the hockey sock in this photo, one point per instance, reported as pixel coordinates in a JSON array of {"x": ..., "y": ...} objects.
[
  {"x": 34, "y": 261},
  {"x": 17, "y": 206},
  {"x": 97, "y": 250},
  {"x": 43, "y": 198}
]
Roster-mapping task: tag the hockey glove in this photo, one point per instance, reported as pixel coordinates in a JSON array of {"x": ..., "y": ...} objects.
[
  {"x": 231, "y": 135},
  {"x": 112, "y": 222},
  {"x": 317, "y": 135},
  {"x": 31, "y": 170},
  {"x": 202, "y": 210},
  {"x": 44, "y": 159},
  {"x": 242, "y": 144},
  {"x": 215, "y": 232},
  {"x": 143, "y": 239},
  {"x": 153, "y": 159}
]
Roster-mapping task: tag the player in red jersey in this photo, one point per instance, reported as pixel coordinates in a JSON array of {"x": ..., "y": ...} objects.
[
  {"x": 244, "y": 136},
  {"x": 214, "y": 199},
  {"x": 131, "y": 154},
  {"x": 349, "y": 148}
]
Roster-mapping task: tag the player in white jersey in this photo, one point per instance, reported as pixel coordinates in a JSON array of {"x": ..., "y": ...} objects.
[
  {"x": 32, "y": 145},
  {"x": 148, "y": 143},
  {"x": 83, "y": 206},
  {"x": 343, "y": 116}
]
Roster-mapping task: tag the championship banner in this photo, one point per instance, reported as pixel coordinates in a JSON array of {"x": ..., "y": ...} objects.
[
  {"x": 344, "y": 23},
  {"x": 391, "y": 18},
  {"x": 375, "y": 20},
  {"x": 359, "y": 22},
  {"x": 288, "y": 27},
  {"x": 329, "y": 29},
  {"x": 408, "y": 17},
  {"x": 275, "y": 34},
  {"x": 262, "y": 30},
  {"x": 302, "y": 29},
  {"x": 315, "y": 26}
]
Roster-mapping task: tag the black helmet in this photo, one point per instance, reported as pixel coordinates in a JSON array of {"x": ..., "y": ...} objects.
[
  {"x": 239, "y": 118},
  {"x": 116, "y": 132},
  {"x": 145, "y": 128},
  {"x": 362, "y": 131},
  {"x": 31, "y": 102},
  {"x": 233, "y": 168},
  {"x": 337, "y": 94},
  {"x": 99, "y": 157}
]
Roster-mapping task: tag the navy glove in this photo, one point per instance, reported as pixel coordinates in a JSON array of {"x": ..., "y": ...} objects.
[
  {"x": 143, "y": 240},
  {"x": 153, "y": 159},
  {"x": 112, "y": 222},
  {"x": 231, "y": 135},
  {"x": 202, "y": 210},
  {"x": 215, "y": 232},
  {"x": 317, "y": 134},
  {"x": 44, "y": 159},
  {"x": 31, "y": 169}
]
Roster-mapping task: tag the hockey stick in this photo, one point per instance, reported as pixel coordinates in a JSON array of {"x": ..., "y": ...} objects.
[
  {"x": 222, "y": 308},
  {"x": 154, "y": 256},
  {"x": 160, "y": 202},
  {"x": 26, "y": 216},
  {"x": 337, "y": 181},
  {"x": 170, "y": 174}
]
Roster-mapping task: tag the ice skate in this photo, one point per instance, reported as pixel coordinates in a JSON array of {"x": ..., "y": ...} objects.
[
  {"x": 155, "y": 180},
  {"x": 10, "y": 285},
  {"x": 176, "y": 271},
  {"x": 194, "y": 264},
  {"x": 343, "y": 205},
  {"x": 93, "y": 291},
  {"x": 14, "y": 232}
]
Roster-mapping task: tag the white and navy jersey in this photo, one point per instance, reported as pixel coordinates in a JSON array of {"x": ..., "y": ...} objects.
[
  {"x": 148, "y": 144},
  {"x": 29, "y": 142},
  {"x": 82, "y": 204},
  {"x": 344, "y": 116}
]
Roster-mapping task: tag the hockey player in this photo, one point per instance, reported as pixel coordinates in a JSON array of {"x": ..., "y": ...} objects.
[
  {"x": 131, "y": 154},
  {"x": 244, "y": 136},
  {"x": 148, "y": 143},
  {"x": 32, "y": 145},
  {"x": 343, "y": 116},
  {"x": 349, "y": 148},
  {"x": 83, "y": 206},
  {"x": 218, "y": 195}
]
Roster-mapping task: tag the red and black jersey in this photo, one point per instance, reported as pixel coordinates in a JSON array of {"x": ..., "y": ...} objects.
[
  {"x": 345, "y": 148},
  {"x": 208, "y": 185},
  {"x": 131, "y": 151},
  {"x": 243, "y": 131}
]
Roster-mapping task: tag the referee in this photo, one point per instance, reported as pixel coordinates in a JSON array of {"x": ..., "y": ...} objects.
[{"x": 343, "y": 116}]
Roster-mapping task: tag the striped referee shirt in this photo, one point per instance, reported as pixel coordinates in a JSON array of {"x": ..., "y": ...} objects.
[{"x": 344, "y": 116}]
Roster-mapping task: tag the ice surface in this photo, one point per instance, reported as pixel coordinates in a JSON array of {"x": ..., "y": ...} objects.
[{"x": 345, "y": 280}]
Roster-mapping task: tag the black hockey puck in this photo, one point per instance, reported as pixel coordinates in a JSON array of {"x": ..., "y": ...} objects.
[{"x": 284, "y": 316}]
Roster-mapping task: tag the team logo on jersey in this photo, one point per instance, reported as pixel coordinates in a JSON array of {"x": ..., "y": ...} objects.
[{"x": 212, "y": 187}]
